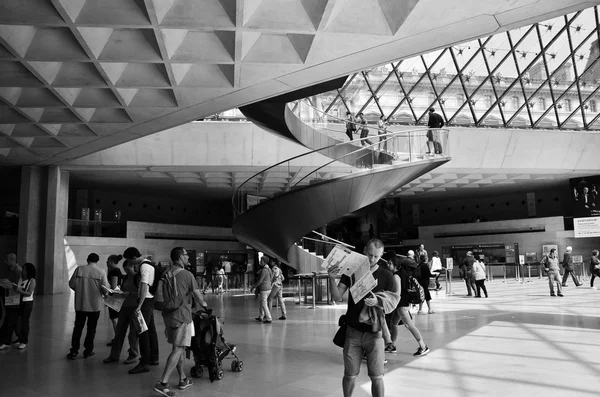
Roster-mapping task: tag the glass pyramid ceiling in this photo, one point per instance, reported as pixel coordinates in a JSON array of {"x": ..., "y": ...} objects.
[{"x": 546, "y": 75}]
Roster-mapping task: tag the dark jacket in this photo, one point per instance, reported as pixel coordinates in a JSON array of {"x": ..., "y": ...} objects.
[
  {"x": 567, "y": 261},
  {"x": 435, "y": 120}
]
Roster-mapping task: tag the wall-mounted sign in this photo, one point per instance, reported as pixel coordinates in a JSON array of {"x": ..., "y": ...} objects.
[{"x": 587, "y": 227}]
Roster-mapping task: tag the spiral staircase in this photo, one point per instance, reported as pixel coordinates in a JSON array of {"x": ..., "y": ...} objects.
[{"x": 331, "y": 180}]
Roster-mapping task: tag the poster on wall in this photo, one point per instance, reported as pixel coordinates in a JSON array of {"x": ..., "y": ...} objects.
[
  {"x": 388, "y": 221},
  {"x": 546, "y": 249},
  {"x": 586, "y": 206}
]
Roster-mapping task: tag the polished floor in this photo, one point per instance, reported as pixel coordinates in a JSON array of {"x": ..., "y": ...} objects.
[{"x": 519, "y": 342}]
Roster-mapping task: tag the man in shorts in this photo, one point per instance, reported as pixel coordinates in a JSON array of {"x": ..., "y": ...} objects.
[
  {"x": 179, "y": 327},
  {"x": 360, "y": 338}
]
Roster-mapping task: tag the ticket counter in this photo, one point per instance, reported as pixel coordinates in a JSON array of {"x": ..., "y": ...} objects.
[{"x": 501, "y": 259}]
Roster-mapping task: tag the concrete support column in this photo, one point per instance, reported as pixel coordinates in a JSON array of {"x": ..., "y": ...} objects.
[
  {"x": 43, "y": 225},
  {"x": 57, "y": 205}
]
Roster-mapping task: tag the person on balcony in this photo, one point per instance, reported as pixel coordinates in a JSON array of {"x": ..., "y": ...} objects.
[
  {"x": 364, "y": 131},
  {"x": 350, "y": 125},
  {"x": 435, "y": 121}
]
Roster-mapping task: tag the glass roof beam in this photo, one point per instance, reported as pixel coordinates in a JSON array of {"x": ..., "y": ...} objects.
[
  {"x": 467, "y": 96},
  {"x": 373, "y": 95},
  {"x": 395, "y": 71},
  {"x": 487, "y": 67},
  {"x": 520, "y": 78},
  {"x": 436, "y": 96},
  {"x": 576, "y": 78}
]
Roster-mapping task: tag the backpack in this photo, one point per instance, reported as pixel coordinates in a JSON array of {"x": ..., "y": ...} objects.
[
  {"x": 158, "y": 273},
  {"x": 172, "y": 299},
  {"x": 416, "y": 294}
]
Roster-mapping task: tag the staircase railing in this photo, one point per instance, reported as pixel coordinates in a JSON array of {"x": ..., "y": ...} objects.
[{"x": 341, "y": 159}]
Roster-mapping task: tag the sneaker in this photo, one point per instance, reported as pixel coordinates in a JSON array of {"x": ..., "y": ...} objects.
[
  {"x": 432, "y": 312},
  {"x": 283, "y": 318},
  {"x": 130, "y": 360},
  {"x": 565, "y": 285},
  {"x": 259, "y": 319},
  {"x": 385, "y": 361},
  {"x": 184, "y": 384},
  {"x": 390, "y": 349},
  {"x": 594, "y": 288},
  {"x": 71, "y": 356},
  {"x": 165, "y": 390},
  {"x": 110, "y": 360},
  {"x": 88, "y": 354},
  {"x": 419, "y": 312},
  {"x": 110, "y": 343},
  {"x": 155, "y": 362},
  {"x": 139, "y": 369},
  {"x": 421, "y": 352},
  {"x": 552, "y": 294},
  {"x": 21, "y": 346},
  {"x": 3, "y": 346},
  {"x": 267, "y": 321},
  {"x": 561, "y": 295}
]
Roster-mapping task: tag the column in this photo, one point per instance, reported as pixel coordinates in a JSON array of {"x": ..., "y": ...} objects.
[
  {"x": 43, "y": 225},
  {"x": 57, "y": 205}
]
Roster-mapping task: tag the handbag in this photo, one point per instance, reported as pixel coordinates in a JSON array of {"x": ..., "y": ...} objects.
[{"x": 340, "y": 336}]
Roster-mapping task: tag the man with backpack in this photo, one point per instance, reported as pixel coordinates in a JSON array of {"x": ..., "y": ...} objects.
[
  {"x": 174, "y": 296},
  {"x": 148, "y": 340}
]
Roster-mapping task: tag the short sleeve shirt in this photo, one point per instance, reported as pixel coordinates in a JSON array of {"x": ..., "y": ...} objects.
[
  {"x": 186, "y": 284},
  {"x": 385, "y": 282},
  {"x": 115, "y": 273},
  {"x": 147, "y": 276}
]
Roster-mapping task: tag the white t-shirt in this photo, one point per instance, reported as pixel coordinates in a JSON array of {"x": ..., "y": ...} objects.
[
  {"x": 147, "y": 276},
  {"x": 436, "y": 264}
]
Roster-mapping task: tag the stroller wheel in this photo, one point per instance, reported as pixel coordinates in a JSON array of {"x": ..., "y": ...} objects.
[
  {"x": 237, "y": 366},
  {"x": 220, "y": 374},
  {"x": 196, "y": 372}
]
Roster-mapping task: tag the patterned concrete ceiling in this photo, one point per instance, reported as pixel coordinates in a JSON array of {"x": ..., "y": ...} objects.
[{"x": 78, "y": 76}]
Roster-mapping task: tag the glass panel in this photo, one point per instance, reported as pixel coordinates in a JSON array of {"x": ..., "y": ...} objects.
[
  {"x": 483, "y": 100},
  {"x": 566, "y": 105},
  {"x": 356, "y": 94},
  {"x": 390, "y": 93}
]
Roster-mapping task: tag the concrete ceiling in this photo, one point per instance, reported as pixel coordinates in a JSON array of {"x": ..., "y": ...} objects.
[{"x": 78, "y": 76}]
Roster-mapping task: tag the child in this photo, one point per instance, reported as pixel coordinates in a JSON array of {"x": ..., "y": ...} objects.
[{"x": 220, "y": 278}]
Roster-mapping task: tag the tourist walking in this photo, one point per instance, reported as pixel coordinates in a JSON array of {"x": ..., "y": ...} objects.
[
  {"x": 594, "y": 267},
  {"x": 568, "y": 266},
  {"x": 263, "y": 287}
]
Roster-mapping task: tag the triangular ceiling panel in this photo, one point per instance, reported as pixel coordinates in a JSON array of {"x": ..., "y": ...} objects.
[
  {"x": 274, "y": 48},
  {"x": 197, "y": 13},
  {"x": 365, "y": 16},
  {"x": 198, "y": 46},
  {"x": 282, "y": 14}
]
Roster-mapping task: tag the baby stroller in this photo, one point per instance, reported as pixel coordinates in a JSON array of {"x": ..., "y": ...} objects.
[{"x": 209, "y": 347}]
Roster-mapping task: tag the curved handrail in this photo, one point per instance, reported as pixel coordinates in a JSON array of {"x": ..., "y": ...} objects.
[
  {"x": 332, "y": 239},
  {"x": 330, "y": 116},
  {"x": 356, "y": 148}
]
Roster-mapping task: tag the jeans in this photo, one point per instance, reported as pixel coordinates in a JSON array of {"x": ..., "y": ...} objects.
[
  {"x": 480, "y": 284},
  {"x": 263, "y": 311},
  {"x": 554, "y": 275},
  {"x": 10, "y": 323},
  {"x": 148, "y": 339},
  {"x": 277, "y": 293},
  {"x": 573, "y": 275},
  {"x": 26, "y": 309},
  {"x": 349, "y": 134},
  {"x": 81, "y": 318},
  {"x": 357, "y": 342},
  {"x": 470, "y": 284},
  {"x": 124, "y": 322},
  {"x": 363, "y": 134}
]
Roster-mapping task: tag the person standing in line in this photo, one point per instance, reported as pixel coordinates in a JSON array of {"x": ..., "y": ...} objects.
[
  {"x": 25, "y": 288},
  {"x": 277, "y": 290},
  {"x": 479, "y": 276},
  {"x": 422, "y": 252},
  {"x": 361, "y": 338},
  {"x": 11, "y": 299},
  {"x": 436, "y": 268},
  {"x": 90, "y": 284},
  {"x": 550, "y": 263},
  {"x": 466, "y": 271},
  {"x": 114, "y": 279},
  {"x": 435, "y": 121},
  {"x": 148, "y": 340},
  {"x": 364, "y": 131},
  {"x": 594, "y": 267},
  {"x": 177, "y": 287},
  {"x": 263, "y": 286},
  {"x": 350, "y": 125},
  {"x": 424, "y": 276},
  {"x": 129, "y": 286},
  {"x": 568, "y": 266}
]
